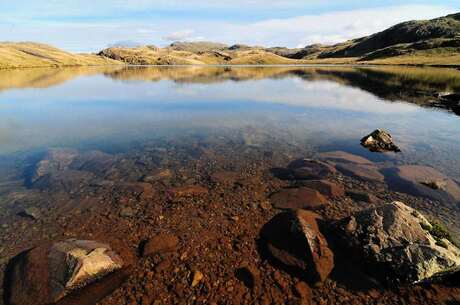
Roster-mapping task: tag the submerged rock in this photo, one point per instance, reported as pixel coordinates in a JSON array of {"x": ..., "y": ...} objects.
[
  {"x": 305, "y": 169},
  {"x": 297, "y": 198},
  {"x": 32, "y": 212},
  {"x": 56, "y": 159},
  {"x": 326, "y": 188},
  {"x": 422, "y": 181},
  {"x": 294, "y": 239},
  {"x": 379, "y": 141},
  {"x": 396, "y": 243},
  {"x": 48, "y": 273},
  {"x": 344, "y": 157},
  {"x": 160, "y": 244},
  {"x": 361, "y": 171}
]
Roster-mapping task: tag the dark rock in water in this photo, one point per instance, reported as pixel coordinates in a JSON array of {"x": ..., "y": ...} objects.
[
  {"x": 364, "y": 172},
  {"x": 297, "y": 198},
  {"x": 186, "y": 191},
  {"x": 422, "y": 181},
  {"x": 344, "y": 157},
  {"x": 305, "y": 169},
  {"x": 379, "y": 141},
  {"x": 326, "y": 188},
  {"x": 57, "y": 159},
  {"x": 294, "y": 239},
  {"x": 31, "y": 212},
  {"x": 160, "y": 244},
  {"x": 362, "y": 196},
  {"x": 396, "y": 243},
  {"x": 66, "y": 180},
  {"x": 59, "y": 272}
]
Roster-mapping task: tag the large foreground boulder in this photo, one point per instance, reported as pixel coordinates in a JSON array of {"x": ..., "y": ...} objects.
[
  {"x": 49, "y": 273},
  {"x": 395, "y": 241},
  {"x": 294, "y": 239},
  {"x": 422, "y": 181}
]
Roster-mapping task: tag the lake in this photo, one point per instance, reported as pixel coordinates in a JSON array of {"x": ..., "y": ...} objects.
[{"x": 103, "y": 152}]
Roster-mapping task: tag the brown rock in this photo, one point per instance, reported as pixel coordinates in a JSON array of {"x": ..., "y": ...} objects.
[
  {"x": 364, "y": 172},
  {"x": 186, "y": 191},
  {"x": 297, "y": 198},
  {"x": 250, "y": 276},
  {"x": 304, "y": 169},
  {"x": 325, "y": 187},
  {"x": 294, "y": 239},
  {"x": 197, "y": 277},
  {"x": 418, "y": 180},
  {"x": 159, "y": 244},
  {"x": 304, "y": 292},
  {"x": 60, "y": 272},
  {"x": 224, "y": 177},
  {"x": 362, "y": 196},
  {"x": 344, "y": 157}
]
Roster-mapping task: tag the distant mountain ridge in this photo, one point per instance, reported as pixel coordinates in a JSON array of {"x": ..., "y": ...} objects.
[{"x": 424, "y": 42}]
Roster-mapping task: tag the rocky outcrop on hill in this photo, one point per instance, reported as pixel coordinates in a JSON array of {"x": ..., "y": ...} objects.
[{"x": 396, "y": 242}]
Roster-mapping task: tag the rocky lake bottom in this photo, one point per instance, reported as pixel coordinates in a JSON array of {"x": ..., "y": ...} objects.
[{"x": 229, "y": 185}]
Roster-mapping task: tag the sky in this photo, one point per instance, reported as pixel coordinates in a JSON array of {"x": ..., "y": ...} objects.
[{"x": 91, "y": 25}]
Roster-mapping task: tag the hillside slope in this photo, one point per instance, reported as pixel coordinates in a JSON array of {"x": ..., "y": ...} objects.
[
  {"x": 412, "y": 42},
  {"x": 28, "y": 54}
]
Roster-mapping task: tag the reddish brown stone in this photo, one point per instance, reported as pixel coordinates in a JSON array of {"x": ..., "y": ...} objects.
[
  {"x": 187, "y": 190},
  {"x": 344, "y": 157},
  {"x": 294, "y": 239},
  {"x": 364, "y": 172},
  {"x": 304, "y": 169},
  {"x": 161, "y": 243},
  {"x": 325, "y": 187},
  {"x": 297, "y": 198}
]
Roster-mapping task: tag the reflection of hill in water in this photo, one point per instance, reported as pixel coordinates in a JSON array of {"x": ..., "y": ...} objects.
[{"x": 410, "y": 84}]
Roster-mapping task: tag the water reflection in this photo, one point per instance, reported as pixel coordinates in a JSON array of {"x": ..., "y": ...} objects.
[{"x": 324, "y": 107}]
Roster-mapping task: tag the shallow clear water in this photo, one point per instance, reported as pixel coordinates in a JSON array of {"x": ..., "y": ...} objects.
[{"x": 112, "y": 109}]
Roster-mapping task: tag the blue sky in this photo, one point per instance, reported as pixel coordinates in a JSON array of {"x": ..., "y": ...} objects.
[{"x": 90, "y": 25}]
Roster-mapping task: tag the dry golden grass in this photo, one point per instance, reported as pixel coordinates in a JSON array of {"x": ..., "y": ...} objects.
[{"x": 26, "y": 54}]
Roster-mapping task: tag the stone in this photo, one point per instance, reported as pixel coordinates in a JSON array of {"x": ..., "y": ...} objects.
[
  {"x": 362, "y": 196},
  {"x": 393, "y": 240},
  {"x": 343, "y": 157},
  {"x": 158, "y": 175},
  {"x": 325, "y": 187},
  {"x": 54, "y": 160},
  {"x": 250, "y": 276},
  {"x": 31, "y": 212},
  {"x": 293, "y": 238},
  {"x": 379, "y": 141},
  {"x": 305, "y": 169},
  {"x": 49, "y": 273},
  {"x": 197, "y": 277},
  {"x": 423, "y": 181},
  {"x": 304, "y": 292},
  {"x": 224, "y": 177},
  {"x": 160, "y": 244},
  {"x": 297, "y": 198},
  {"x": 364, "y": 172},
  {"x": 186, "y": 191},
  {"x": 127, "y": 212},
  {"x": 66, "y": 180}
]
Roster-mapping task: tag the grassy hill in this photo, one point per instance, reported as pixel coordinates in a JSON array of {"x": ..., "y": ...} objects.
[
  {"x": 28, "y": 54},
  {"x": 426, "y": 42}
]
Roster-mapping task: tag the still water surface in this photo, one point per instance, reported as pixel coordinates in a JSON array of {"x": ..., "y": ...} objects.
[{"x": 323, "y": 108}]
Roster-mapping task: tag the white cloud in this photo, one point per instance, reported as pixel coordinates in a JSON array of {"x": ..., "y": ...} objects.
[{"x": 296, "y": 31}]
